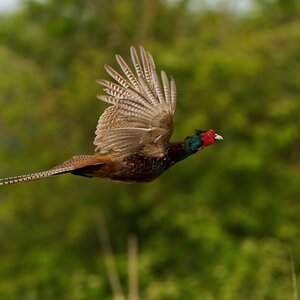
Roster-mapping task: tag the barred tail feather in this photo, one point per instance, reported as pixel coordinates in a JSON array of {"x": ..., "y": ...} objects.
[{"x": 35, "y": 176}]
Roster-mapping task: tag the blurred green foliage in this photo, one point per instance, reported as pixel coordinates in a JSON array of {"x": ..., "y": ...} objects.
[{"x": 216, "y": 226}]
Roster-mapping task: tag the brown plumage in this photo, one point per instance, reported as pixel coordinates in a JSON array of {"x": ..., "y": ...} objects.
[{"x": 132, "y": 135}]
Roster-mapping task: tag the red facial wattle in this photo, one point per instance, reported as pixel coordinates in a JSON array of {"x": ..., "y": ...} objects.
[{"x": 208, "y": 137}]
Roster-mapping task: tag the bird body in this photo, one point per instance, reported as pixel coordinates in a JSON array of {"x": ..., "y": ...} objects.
[
  {"x": 134, "y": 168},
  {"x": 132, "y": 135}
]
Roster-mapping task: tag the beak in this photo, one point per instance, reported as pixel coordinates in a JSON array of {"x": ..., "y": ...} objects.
[{"x": 218, "y": 137}]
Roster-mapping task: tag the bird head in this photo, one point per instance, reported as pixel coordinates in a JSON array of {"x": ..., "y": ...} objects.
[{"x": 208, "y": 137}]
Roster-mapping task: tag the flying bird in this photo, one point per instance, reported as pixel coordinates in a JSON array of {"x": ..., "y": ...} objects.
[{"x": 133, "y": 134}]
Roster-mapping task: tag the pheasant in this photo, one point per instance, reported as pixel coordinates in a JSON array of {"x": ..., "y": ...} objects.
[{"x": 132, "y": 135}]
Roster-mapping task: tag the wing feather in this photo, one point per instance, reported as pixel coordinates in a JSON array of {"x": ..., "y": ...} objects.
[
  {"x": 128, "y": 72},
  {"x": 149, "y": 94},
  {"x": 166, "y": 86},
  {"x": 173, "y": 95},
  {"x": 116, "y": 76},
  {"x": 146, "y": 65},
  {"x": 136, "y": 62},
  {"x": 157, "y": 87}
]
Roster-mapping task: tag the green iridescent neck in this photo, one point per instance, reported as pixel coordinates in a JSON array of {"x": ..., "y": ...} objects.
[
  {"x": 192, "y": 144},
  {"x": 182, "y": 149}
]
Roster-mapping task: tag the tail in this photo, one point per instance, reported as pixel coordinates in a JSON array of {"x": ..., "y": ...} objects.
[
  {"x": 75, "y": 165},
  {"x": 35, "y": 176}
]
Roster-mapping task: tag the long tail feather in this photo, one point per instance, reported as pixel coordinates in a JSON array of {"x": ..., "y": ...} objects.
[{"x": 35, "y": 176}]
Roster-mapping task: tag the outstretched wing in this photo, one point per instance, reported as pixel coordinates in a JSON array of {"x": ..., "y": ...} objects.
[{"x": 142, "y": 111}]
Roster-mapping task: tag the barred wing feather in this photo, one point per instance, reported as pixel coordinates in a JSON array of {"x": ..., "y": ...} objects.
[{"x": 142, "y": 111}]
